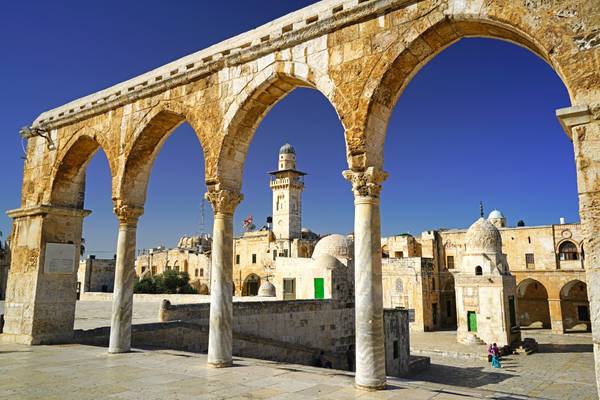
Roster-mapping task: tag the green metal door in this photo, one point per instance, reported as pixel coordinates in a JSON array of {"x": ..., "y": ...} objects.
[
  {"x": 319, "y": 288},
  {"x": 472, "y": 319}
]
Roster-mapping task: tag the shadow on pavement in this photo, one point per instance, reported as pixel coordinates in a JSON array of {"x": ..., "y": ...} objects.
[
  {"x": 470, "y": 377},
  {"x": 566, "y": 348}
]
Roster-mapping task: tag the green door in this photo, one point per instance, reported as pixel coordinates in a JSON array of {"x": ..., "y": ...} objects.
[
  {"x": 319, "y": 288},
  {"x": 472, "y": 319}
]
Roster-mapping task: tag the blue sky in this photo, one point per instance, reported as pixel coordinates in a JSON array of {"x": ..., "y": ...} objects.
[{"x": 476, "y": 123}]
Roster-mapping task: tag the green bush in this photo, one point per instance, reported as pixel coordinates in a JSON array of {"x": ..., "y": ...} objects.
[{"x": 169, "y": 282}]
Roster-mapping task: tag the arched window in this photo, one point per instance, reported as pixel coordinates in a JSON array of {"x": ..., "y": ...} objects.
[
  {"x": 568, "y": 251},
  {"x": 478, "y": 270},
  {"x": 196, "y": 272},
  {"x": 201, "y": 271}
]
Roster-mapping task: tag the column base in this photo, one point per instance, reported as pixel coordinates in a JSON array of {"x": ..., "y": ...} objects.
[
  {"x": 370, "y": 388},
  {"x": 118, "y": 351},
  {"x": 224, "y": 364}
]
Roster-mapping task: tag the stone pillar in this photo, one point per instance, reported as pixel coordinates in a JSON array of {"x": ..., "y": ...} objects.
[
  {"x": 582, "y": 125},
  {"x": 220, "y": 335},
  {"x": 370, "y": 351},
  {"x": 556, "y": 318},
  {"x": 41, "y": 290},
  {"x": 120, "y": 322}
]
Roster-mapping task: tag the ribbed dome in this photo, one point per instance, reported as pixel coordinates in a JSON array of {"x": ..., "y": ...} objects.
[
  {"x": 496, "y": 214},
  {"x": 335, "y": 245},
  {"x": 483, "y": 237},
  {"x": 287, "y": 149},
  {"x": 266, "y": 289}
]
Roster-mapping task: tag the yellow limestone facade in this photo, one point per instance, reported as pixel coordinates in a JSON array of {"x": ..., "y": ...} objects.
[{"x": 360, "y": 54}]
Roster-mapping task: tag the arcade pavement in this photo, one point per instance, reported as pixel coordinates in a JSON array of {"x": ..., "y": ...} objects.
[{"x": 85, "y": 372}]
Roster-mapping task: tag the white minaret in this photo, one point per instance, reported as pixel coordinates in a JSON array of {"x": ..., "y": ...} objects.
[{"x": 287, "y": 187}]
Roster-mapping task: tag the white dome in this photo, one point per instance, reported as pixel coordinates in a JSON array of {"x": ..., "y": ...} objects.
[
  {"x": 335, "y": 245},
  {"x": 327, "y": 262},
  {"x": 483, "y": 237},
  {"x": 266, "y": 289},
  {"x": 496, "y": 214}
]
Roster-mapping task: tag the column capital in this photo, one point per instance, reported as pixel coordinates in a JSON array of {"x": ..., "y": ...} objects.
[
  {"x": 223, "y": 201},
  {"x": 571, "y": 117},
  {"x": 127, "y": 215},
  {"x": 366, "y": 183}
]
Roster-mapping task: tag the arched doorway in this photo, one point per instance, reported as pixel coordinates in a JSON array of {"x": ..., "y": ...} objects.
[
  {"x": 251, "y": 285},
  {"x": 575, "y": 307},
  {"x": 533, "y": 309}
]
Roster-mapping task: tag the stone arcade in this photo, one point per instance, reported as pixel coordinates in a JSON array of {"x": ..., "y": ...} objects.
[{"x": 360, "y": 54}]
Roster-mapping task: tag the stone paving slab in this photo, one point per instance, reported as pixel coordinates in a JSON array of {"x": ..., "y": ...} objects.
[{"x": 86, "y": 372}]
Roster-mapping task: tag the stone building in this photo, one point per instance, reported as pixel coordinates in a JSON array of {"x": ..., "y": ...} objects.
[
  {"x": 191, "y": 255},
  {"x": 485, "y": 290},
  {"x": 255, "y": 252},
  {"x": 223, "y": 92},
  {"x": 96, "y": 275},
  {"x": 547, "y": 261}
]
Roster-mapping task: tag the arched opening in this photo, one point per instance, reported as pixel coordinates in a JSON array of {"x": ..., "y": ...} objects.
[
  {"x": 533, "y": 309},
  {"x": 456, "y": 111},
  {"x": 164, "y": 173},
  {"x": 567, "y": 251},
  {"x": 575, "y": 307},
  {"x": 251, "y": 285},
  {"x": 448, "y": 301},
  {"x": 279, "y": 221}
]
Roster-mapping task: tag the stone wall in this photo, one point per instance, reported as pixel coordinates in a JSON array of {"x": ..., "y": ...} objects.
[
  {"x": 96, "y": 275},
  {"x": 312, "y": 332}
]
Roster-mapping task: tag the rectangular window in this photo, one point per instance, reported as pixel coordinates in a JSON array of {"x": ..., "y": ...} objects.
[
  {"x": 274, "y": 255},
  {"x": 399, "y": 254},
  {"x": 396, "y": 352},
  {"x": 529, "y": 261},
  {"x": 450, "y": 262},
  {"x": 237, "y": 258},
  {"x": 253, "y": 258},
  {"x": 285, "y": 252}
]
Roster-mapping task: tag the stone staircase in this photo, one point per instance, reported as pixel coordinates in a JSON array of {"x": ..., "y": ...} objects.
[
  {"x": 526, "y": 347},
  {"x": 473, "y": 339}
]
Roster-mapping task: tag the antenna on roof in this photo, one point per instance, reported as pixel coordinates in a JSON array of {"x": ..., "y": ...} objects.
[
  {"x": 481, "y": 209},
  {"x": 202, "y": 225}
]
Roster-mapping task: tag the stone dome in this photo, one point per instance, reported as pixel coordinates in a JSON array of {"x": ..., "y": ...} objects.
[
  {"x": 496, "y": 214},
  {"x": 287, "y": 149},
  {"x": 327, "y": 262},
  {"x": 266, "y": 289},
  {"x": 483, "y": 237},
  {"x": 335, "y": 245}
]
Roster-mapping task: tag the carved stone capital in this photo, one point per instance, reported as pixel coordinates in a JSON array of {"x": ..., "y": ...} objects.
[
  {"x": 223, "y": 201},
  {"x": 127, "y": 215},
  {"x": 366, "y": 183}
]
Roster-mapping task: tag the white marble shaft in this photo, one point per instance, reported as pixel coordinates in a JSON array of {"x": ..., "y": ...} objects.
[
  {"x": 220, "y": 337},
  {"x": 120, "y": 324},
  {"x": 220, "y": 334},
  {"x": 370, "y": 351}
]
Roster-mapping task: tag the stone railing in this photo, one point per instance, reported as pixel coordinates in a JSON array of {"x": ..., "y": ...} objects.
[{"x": 310, "y": 22}]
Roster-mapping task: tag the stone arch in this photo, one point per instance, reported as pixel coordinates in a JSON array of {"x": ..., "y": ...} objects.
[
  {"x": 575, "y": 307},
  {"x": 533, "y": 308},
  {"x": 568, "y": 246},
  {"x": 251, "y": 105},
  {"x": 251, "y": 285},
  {"x": 146, "y": 142},
  {"x": 67, "y": 180},
  {"x": 403, "y": 59}
]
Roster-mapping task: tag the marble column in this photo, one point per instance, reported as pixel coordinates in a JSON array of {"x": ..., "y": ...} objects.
[
  {"x": 582, "y": 125},
  {"x": 220, "y": 335},
  {"x": 370, "y": 351},
  {"x": 120, "y": 323}
]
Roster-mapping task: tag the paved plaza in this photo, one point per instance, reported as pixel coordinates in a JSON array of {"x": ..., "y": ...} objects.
[{"x": 84, "y": 372}]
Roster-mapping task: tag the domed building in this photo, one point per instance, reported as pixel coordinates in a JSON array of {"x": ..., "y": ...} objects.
[
  {"x": 497, "y": 219},
  {"x": 336, "y": 245},
  {"x": 485, "y": 290}
]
